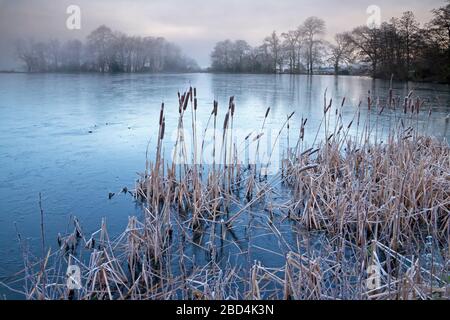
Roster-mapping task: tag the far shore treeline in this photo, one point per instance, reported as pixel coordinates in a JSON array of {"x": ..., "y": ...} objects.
[
  {"x": 401, "y": 48},
  {"x": 104, "y": 51}
]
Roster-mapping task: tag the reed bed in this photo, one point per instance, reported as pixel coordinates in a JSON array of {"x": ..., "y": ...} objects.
[{"x": 371, "y": 194}]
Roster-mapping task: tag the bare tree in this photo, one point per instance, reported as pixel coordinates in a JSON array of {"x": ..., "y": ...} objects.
[
  {"x": 292, "y": 45},
  {"x": 366, "y": 43},
  {"x": 273, "y": 45},
  {"x": 240, "y": 52},
  {"x": 232, "y": 56},
  {"x": 221, "y": 56},
  {"x": 54, "y": 52},
  {"x": 409, "y": 28},
  {"x": 439, "y": 26},
  {"x": 342, "y": 51},
  {"x": 312, "y": 28},
  {"x": 100, "y": 45},
  {"x": 24, "y": 51},
  {"x": 71, "y": 55}
]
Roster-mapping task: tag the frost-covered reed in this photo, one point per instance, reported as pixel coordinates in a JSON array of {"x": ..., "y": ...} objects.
[{"x": 368, "y": 209}]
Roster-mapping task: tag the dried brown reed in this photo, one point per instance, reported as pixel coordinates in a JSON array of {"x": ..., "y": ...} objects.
[{"x": 354, "y": 202}]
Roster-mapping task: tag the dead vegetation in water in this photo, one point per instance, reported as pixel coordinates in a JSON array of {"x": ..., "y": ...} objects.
[{"x": 377, "y": 199}]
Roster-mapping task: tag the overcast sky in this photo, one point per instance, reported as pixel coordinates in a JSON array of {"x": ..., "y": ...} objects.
[{"x": 195, "y": 25}]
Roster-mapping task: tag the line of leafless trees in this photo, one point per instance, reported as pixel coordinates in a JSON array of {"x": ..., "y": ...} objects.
[
  {"x": 295, "y": 51},
  {"x": 104, "y": 51},
  {"x": 400, "y": 47}
]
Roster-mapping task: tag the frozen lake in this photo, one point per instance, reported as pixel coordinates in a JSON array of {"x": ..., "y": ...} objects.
[{"x": 76, "y": 138}]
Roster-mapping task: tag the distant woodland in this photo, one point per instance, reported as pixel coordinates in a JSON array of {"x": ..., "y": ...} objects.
[
  {"x": 401, "y": 48},
  {"x": 104, "y": 51}
]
